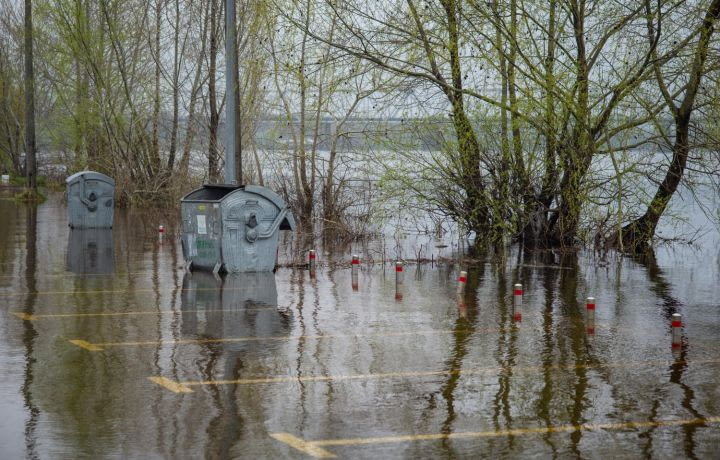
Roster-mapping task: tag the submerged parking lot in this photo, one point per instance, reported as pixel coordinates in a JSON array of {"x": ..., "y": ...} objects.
[{"x": 110, "y": 349}]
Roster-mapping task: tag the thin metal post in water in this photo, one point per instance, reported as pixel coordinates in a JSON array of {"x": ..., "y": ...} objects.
[
  {"x": 355, "y": 265},
  {"x": 462, "y": 281},
  {"x": 311, "y": 259},
  {"x": 676, "y": 330},
  {"x": 590, "y": 309},
  {"x": 517, "y": 302},
  {"x": 399, "y": 276}
]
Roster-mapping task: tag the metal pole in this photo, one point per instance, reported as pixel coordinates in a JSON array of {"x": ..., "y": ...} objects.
[{"x": 231, "y": 88}]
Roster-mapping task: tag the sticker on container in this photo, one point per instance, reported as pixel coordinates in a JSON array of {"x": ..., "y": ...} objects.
[
  {"x": 192, "y": 249},
  {"x": 201, "y": 207},
  {"x": 202, "y": 227}
]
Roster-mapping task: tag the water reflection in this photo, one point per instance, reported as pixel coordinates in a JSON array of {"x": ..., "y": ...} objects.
[
  {"x": 237, "y": 305},
  {"x": 234, "y": 305},
  {"x": 29, "y": 333},
  {"x": 90, "y": 251}
]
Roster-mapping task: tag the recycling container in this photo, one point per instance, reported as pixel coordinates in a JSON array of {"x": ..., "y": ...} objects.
[
  {"x": 233, "y": 228},
  {"x": 90, "y": 200}
]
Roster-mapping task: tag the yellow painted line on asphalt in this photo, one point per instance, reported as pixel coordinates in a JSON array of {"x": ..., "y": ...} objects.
[
  {"x": 25, "y": 316},
  {"x": 111, "y": 291},
  {"x": 283, "y": 338},
  {"x": 315, "y": 448},
  {"x": 307, "y": 447},
  {"x": 86, "y": 345},
  {"x": 83, "y": 275},
  {"x": 170, "y": 385},
  {"x": 390, "y": 375},
  {"x": 34, "y": 317}
]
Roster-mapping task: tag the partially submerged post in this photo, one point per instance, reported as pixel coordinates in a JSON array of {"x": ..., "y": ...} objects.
[
  {"x": 676, "y": 330},
  {"x": 355, "y": 266},
  {"x": 517, "y": 302},
  {"x": 399, "y": 275},
  {"x": 590, "y": 309},
  {"x": 462, "y": 281}
]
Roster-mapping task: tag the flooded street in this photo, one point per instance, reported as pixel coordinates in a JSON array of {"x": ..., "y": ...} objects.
[{"x": 108, "y": 348}]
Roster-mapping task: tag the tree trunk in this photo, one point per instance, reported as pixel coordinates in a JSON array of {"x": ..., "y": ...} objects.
[
  {"x": 636, "y": 235},
  {"x": 30, "y": 160}
]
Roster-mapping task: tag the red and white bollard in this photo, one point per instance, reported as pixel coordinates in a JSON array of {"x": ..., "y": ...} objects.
[
  {"x": 462, "y": 281},
  {"x": 399, "y": 275},
  {"x": 676, "y": 330},
  {"x": 161, "y": 233},
  {"x": 590, "y": 310},
  {"x": 355, "y": 266},
  {"x": 311, "y": 263},
  {"x": 517, "y": 302}
]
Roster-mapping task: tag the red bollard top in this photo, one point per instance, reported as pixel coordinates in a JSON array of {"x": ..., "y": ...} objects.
[
  {"x": 518, "y": 289},
  {"x": 312, "y": 254},
  {"x": 676, "y": 320},
  {"x": 463, "y": 277},
  {"x": 398, "y": 266},
  {"x": 161, "y": 229},
  {"x": 590, "y": 304},
  {"x": 355, "y": 260}
]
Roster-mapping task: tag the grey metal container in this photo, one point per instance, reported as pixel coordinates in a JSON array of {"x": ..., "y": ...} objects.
[
  {"x": 90, "y": 200},
  {"x": 233, "y": 228}
]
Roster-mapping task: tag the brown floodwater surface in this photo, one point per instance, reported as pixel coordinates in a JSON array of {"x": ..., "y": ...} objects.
[{"x": 108, "y": 348}]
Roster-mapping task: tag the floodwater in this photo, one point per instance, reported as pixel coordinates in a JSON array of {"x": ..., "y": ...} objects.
[{"x": 109, "y": 349}]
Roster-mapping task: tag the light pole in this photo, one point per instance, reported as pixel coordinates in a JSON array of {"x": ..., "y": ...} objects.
[{"x": 233, "y": 150}]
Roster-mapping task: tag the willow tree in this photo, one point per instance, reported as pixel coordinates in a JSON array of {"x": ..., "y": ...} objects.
[{"x": 680, "y": 85}]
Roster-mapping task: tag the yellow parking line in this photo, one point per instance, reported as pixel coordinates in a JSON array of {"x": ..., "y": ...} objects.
[
  {"x": 35, "y": 317},
  {"x": 110, "y": 291},
  {"x": 170, "y": 385},
  {"x": 84, "y": 275},
  {"x": 286, "y": 338},
  {"x": 303, "y": 446},
  {"x": 86, "y": 345},
  {"x": 390, "y": 375},
  {"x": 314, "y": 448},
  {"x": 25, "y": 316}
]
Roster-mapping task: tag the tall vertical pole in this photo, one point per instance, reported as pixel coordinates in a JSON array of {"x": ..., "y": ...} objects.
[{"x": 231, "y": 89}]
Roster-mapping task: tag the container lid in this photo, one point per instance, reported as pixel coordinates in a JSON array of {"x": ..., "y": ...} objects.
[
  {"x": 211, "y": 192},
  {"x": 90, "y": 175}
]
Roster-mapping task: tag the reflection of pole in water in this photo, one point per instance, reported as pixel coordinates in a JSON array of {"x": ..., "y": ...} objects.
[
  {"x": 29, "y": 332},
  {"x": 517, "y": 303},
  {"x": 462, "y": 306}
]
